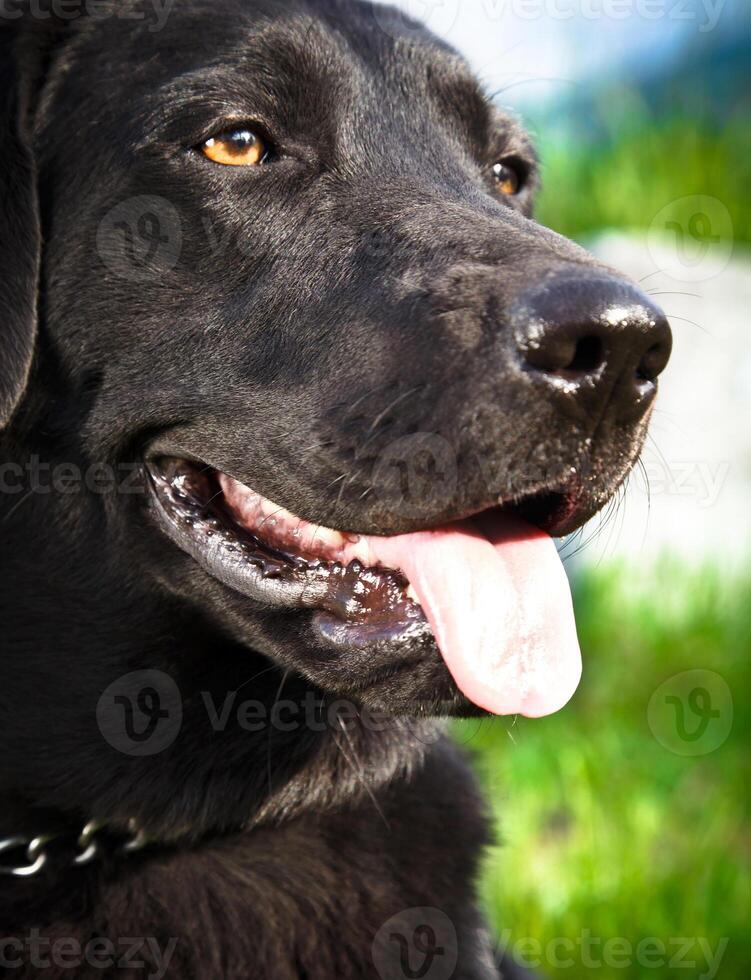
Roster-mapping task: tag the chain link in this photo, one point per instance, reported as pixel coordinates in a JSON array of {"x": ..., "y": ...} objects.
[{"x": 88, "y": 845}]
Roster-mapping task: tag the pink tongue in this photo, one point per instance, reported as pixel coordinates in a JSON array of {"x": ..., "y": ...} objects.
[{"x": 497, "y": 599}]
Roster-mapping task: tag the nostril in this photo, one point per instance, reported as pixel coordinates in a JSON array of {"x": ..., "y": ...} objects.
[
  {"x": 653, "y": 361},
  {"x": 589, "y": 354},
  {"x": 561, "y": 352},
  {"x": 592, "y": 337}
]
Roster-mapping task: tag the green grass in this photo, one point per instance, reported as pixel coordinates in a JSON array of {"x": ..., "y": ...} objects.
[
  {"x": 621, "y": 165},
  {"x": 605, "y": 831}
]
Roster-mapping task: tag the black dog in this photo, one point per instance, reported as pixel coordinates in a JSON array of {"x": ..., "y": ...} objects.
[{"x": 286, "y": 246}]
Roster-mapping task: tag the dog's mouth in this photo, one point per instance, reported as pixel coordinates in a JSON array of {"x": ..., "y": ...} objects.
[{"x": 490, "y": 588}]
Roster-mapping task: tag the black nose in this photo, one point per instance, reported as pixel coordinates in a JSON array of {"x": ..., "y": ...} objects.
[{"x": 596, "y": 339}]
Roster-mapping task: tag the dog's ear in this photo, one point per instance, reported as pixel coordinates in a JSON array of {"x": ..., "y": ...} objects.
[{"x": 20, "y": 234}]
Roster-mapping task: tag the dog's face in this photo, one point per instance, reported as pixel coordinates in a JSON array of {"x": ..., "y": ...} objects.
[{"x": 290, "y": 248}]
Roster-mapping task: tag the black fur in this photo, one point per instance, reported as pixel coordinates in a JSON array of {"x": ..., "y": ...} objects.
[{"x": 290, "y": 306}]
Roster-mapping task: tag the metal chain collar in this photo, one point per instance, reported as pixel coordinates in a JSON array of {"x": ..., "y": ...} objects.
[{"x": 94, "y": 840}]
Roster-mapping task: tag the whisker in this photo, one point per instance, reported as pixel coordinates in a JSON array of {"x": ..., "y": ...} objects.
[
  {"x": 673, "y": 292},
  {"x": 317, "y": 445},
  {"x": 603, "y": 519},
  {"x": 659, "y": 452},
  {"x": 394, "y": 403},
  {"x": 341, "y": 489},
  {"x": 527, "y": 81},
  {"x": 356, "y": 768},
  {"x": 269, "y": 516},
  {"x": 674, "y": 316},
  {"x": 366, "y": 394},
  {"x": 650, "y": 274},
  {"x": 219, "y": 493},
  {"x": 372, "y": 430},
  {"x": 616, "y": 529},
  {"x": 643, "y": 470},
  {"x": 17, "y": 504},
  {"x": 258, "y": 674},
  {"x": 270, "y": 727}
]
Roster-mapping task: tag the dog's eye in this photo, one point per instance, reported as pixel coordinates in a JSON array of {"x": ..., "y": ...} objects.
[
  {"x": 507, "y": 177},
  {"x": 236, "y": 148}
]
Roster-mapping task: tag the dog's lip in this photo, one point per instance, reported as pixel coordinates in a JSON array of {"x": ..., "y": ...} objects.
[
  {"x": 489, "y": 593},
  {"x": 187, "y": 506},
  {"x": 559, "y": 509},
  {"x": 256, "y": 561},
  {"x": 558, "y": 505}
]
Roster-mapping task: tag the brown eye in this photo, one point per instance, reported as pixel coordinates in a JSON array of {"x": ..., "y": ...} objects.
[
  {"x": 507, "y": 178},
  {"x": 236, "y": 148}
]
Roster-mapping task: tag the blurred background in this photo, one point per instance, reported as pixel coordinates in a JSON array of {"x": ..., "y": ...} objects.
[{"x": 624, "y": 820}]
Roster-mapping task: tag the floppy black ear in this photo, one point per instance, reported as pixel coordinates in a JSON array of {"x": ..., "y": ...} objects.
[{"x": 20, "y": 236}]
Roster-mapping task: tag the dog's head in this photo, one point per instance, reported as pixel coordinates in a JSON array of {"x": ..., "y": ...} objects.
[{"x": 289, "y": 273}]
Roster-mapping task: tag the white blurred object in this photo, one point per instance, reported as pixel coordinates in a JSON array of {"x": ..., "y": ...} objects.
[{"x": 698, "y": 454}]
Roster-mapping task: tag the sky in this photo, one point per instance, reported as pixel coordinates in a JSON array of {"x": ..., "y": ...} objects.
[{"x": 534, "y": 48}]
